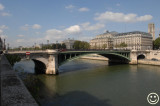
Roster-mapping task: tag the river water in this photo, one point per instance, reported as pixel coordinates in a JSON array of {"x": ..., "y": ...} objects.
[{"x": 92, "y": 83}]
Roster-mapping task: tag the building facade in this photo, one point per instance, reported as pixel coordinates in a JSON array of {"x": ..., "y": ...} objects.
[
  {"x": 69, "y": 43},
  {"x": 133, "y": 40},
  {"x": 103, "y": 41},
  {"x": 151, "y": 30}
]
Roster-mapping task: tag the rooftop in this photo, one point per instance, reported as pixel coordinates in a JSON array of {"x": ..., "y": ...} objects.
[{"x": 133, "y": 32}]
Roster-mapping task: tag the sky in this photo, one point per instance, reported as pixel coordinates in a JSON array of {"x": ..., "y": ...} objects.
[{"x": 29, "y": 22}]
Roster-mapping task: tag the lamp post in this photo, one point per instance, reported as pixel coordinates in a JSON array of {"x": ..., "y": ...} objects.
[
  {"x": 56, "y": 44},
  {"x": 4, "y": 47},
  {"x": 8, "y": 46},
  {"x": 47, "y": 44}
]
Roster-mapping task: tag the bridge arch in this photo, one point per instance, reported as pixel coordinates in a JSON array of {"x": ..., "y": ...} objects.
[
  {"x": 40, "y": 67},
  {"x": 113, "y": 57},
  {"x": 141, "y": 56}
]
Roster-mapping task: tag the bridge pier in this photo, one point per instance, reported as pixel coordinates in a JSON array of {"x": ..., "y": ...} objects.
[
  {"x": 52, "y": 66},
  {"x": 133, "y": 56}
]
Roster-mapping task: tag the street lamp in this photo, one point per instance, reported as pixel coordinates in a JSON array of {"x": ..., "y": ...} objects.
[{"x": 8, "y": 46}]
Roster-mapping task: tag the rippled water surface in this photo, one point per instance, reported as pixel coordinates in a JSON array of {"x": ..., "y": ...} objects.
[{"x": 92, "y": 83}]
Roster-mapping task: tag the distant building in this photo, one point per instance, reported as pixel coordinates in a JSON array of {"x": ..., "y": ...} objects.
[
  {"x": 151, "y": 30},
  {"x": 69, "y": 43},
  {"x": 135, "y": 40},
  {"x": 104, "y": 40},
  {"x": 1, "y": 44}
]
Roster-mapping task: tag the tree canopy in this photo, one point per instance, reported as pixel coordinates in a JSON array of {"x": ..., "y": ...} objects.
[
  {"x": 156, "y": 43},
  {"x": 81, "y": 45}
]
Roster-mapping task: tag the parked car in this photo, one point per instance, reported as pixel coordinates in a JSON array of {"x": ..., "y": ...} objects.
[{"x": 154, "y": 59}]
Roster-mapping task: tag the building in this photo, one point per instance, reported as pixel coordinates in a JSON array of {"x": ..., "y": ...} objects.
[
  {"x": 151, "y": 30},
  {"x": 69, "y": 43},
  {"x": 103, "y": 41},
  {"x": 135, "y": 40},
  {"x": 1, "y": 44}
]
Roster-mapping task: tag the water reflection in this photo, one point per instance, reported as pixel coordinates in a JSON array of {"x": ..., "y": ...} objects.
[
  {"x": 95, "y": 84},
  {"x": 26, "y": 66},
  {"x": 80, "y": 64}
]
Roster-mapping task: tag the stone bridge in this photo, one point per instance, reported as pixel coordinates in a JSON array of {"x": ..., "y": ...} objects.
[{"x": 48, "y": 61}]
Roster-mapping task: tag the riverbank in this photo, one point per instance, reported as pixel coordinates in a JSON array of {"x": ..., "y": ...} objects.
[
  {"x": 13, "y": 91},
  {"x": 148, "y": 62}
]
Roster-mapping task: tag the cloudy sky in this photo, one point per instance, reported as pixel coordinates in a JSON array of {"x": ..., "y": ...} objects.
[{"x": 26, "y": 22}]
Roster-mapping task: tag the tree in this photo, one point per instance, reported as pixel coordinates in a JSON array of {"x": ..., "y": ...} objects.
[
  {"x": 76, "y": 45},
  {"x": 86, "y": 45},
  {"x": 63, "y": 46},
  {"x": 81, "y": 45},
  {"x": 156, "y": 43},
  {"x": 104, "y": 46},
  {"x": 123, "y": 45}
]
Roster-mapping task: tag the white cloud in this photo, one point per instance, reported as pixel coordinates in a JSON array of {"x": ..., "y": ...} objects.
[
  {"x": 73, "y": 29},
  {"x": 20, "y": 41},
  {"x": 87, "y": 26},
  {"x": 1, "y": 31},
  {"x": 27, "y": 27},
  {"x": 84, "y": 9},
  {"x": 3, "y": 27},
  {"x": 3, "y": 36},
  {"x": 1, "y": 7},
  {"x": 69, "y": 7},
  {"x": 118, "y": 4},
  {"x": 20, "y": 35},
  {"x": 36, "y": 26},
  {"x": 85, "y": 38},
  {"x": 5, "y": 14},
  {"x": 54, "y": 34},
  {"x": 121, "y": 17}
]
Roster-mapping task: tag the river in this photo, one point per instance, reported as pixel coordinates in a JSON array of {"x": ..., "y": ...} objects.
[{"x": 92, "y": 83}]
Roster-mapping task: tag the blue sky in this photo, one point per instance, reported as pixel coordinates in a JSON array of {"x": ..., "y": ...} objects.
[{"x": 26, "y": 22}]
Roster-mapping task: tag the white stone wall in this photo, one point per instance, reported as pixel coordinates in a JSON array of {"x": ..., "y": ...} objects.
[{"x": 155, "y": 54}]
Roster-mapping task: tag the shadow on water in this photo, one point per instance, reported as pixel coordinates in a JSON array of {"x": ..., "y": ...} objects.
[
  {"x": 43, "y": 86},
  {"x": 77, "y": 98}
]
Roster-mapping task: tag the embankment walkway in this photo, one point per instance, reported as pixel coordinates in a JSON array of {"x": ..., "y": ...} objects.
[{"x": 13, "y": 91}]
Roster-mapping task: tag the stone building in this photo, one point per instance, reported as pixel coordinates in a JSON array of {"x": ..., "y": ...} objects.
[
  {"x": 69, "y": 43},
  {"x": 135, "y": 40},
  {"x": 151, "y": 30},
  {"x": 103, "y": 41}
]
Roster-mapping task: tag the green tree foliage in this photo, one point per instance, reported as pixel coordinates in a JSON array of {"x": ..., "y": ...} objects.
[
  {"x": 13, "y": 59},
  {"x": 54, "y": 46},
  {"x": 81, "y": 45},
  {"x": 156, "y": 43},
  {"x": 123, "y": 45},
  {"x": 104, "y": 46}
]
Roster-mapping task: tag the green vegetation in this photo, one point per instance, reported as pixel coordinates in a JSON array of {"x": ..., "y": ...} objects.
[
  {"x": 54, "y": 46},
  {"x": 104, "y": 46},
  {"x": 122, "y": 45},
  {"x": 13, "y": 59},
  {"x": 81, "y": 45},
  {"x": 156, "y": 43}
]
